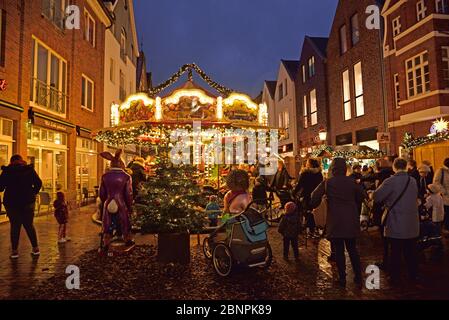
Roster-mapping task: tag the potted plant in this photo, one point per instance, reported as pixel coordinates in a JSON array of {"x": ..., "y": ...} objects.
[{"x": 168, "y": 205}]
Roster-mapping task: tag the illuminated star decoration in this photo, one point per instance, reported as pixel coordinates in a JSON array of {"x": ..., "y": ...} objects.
[{"x": 440, "y": 126}]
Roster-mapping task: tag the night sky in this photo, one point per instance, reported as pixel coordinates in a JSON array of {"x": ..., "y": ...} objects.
[{"x": 238, "y": 43}]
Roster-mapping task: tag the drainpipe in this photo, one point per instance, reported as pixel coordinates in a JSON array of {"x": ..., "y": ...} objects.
[{"x": 384, "y": 91}]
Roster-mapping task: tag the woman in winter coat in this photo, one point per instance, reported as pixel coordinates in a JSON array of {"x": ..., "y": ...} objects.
[
  {"x": 441, "y": 179},
  {"x": 309, "y": 178},
  {"x": 344, "y": 196}
]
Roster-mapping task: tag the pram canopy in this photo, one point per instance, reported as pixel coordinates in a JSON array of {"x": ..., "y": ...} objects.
[{"x": 254, "y": 225}]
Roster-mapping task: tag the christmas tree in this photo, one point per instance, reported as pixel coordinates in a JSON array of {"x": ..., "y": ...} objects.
[{"x": 169, "y": 201}]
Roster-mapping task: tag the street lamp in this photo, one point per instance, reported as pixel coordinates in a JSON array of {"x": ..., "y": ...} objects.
[{"x": 323, "y": 135}]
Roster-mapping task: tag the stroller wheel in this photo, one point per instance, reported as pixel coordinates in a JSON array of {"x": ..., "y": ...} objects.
[
  {"x": 222, "y": 260},
  {"x": 207, "y": 248},
  {"x": 268, "y": 257}
]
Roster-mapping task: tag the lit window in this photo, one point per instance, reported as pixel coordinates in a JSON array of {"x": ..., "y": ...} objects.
[
  {"x": 442, "y": 6},
  {"x": 343, "y": 40},
  {"x": 89, "y": 25},
  {"x": 87, "y": 93},
  {"x": 346, "y": 96},
  {"x": 355, "y": 30},
  {"x": 397, "y": 94},
  {"x": 418, "y": 78},
  {"x": 358, "y": 89},
  {"x": 396, "y": 23},
  {"x": 311, "y": 67},
  {"x": 421, "y": 10},
  {"x": 313, "y": 108},
  {"x": 304, "y": 107}
]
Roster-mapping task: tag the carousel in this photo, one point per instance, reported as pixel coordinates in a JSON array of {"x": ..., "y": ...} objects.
[{"x": 199, "y": 119}]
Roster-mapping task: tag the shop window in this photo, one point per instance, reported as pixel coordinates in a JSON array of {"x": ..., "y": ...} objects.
[
  {"x": 358, "y": 89},
  {"x": 418, "y": 77},
  {"x": 347, "y": 114},
  {"x": 87, "y": 93}
]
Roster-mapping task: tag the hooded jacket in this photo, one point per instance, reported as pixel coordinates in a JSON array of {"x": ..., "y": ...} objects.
[
  {"x": 20, "y": 183},
  {"x": 441, "y": 179}
]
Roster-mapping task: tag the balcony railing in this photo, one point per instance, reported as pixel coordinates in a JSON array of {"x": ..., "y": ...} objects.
[
  {"x": 48, "y": 97},
  {"x": 54, "y": 14}
]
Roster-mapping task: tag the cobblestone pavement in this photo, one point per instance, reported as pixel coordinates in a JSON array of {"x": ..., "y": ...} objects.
[{"x": 310, "y": 278}]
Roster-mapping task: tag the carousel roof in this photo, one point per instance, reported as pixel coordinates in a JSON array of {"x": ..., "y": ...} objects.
[{"x": 190, "y": 85}]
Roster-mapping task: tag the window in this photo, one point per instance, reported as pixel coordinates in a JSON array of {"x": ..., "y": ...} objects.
[
  {"x": 445, "y": 57},
  {"x": 303, "y": 74},
  {"x": 346, "y": 96},
  {"x": 2, "y": 37},
  {"x": 112, "y": 71},
  {"x": 313, "y": 108},
  {"x": 89, "y": 25},
  {"x": 123, "y": 45},
  {"x": 122, "y": 93},
  {"x": 418, "y": 79},
  {"x": 358, "y": 89},
  {"x": 7, "y": 126},
  {"x": 343, "y": 40},
  {"x": 355, "y": 30},
  {"x": 54, "y": 10},
  {"x": 304, "y": 107},
  {"x": 420, "y": 10},
  {"x": 281, "y": 91},
  {"x": 311, "y": 67},
  {"x": 281, "y": 120},
  {"x": 442, "y": 6},
  {"x": 396, "y": 24},
  {"x": 397, "y": 94},
  {"x": 49, "y": 79},
  {"x": 285, "y": 87},
  {"x": 87, "y": 93},
  {"x": 286, "y": 120}
]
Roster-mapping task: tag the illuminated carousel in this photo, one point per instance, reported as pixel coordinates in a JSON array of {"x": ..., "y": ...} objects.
[{"x": 149, "y": 121}]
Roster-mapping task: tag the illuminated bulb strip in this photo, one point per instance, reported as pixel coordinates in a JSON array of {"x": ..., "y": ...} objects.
[
  {"x": 219, "y": 108},
  {"x": 138, "y": 96},
  {"x": 263, "y": 114},
  {"x": 158, "y": 113},
  {"x": 229, "y": 101},
  {"x": 174, "y": 98}
]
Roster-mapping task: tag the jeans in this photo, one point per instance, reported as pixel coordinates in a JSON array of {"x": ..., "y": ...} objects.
[
  {"x": 18, "y": 217},
  {"x": 310, "y": 221},
  {"x": 408, "y": 249},
  {"x": 351, "y": 246},
  {"x": 294, "y": 243}
]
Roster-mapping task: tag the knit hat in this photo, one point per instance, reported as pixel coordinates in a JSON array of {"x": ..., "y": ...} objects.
[{"x": 290, "y": 207}]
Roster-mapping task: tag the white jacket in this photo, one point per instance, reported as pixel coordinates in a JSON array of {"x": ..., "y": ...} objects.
[
  {"x": 435, "y": 201},
  {"x": 443, "y": 183}
]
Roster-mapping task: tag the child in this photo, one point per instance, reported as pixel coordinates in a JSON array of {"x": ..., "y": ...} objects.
[
  {"x": 259, "y": 192},
  {"x": 289, "y": 228},
  {"x": 61, "y": 215},
  {"x": 435, "y": 201},
  {"x": 213, "y": 210}
]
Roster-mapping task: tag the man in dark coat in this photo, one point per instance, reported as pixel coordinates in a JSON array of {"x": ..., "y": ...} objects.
[
  {"x": 21, "y": 184},
  {"x": 343, "y": 218}
]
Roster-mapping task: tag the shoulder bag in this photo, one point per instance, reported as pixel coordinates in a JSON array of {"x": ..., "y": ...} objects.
[{"x": 388, "y": 210}]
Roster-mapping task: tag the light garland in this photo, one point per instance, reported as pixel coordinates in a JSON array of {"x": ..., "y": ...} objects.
[
  {"x": 229, "y": 101},
  {"x": 410, "y": 143},
  {"x": 370, "y": 154},
  {"x": 147, "y": 101},
  {"x": 200, "y": 94}
]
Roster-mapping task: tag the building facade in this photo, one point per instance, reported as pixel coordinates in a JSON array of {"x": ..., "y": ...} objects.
[
  {"x": 355, "y": 77},
  {"x": 416, "y": 51},
  {"x": 120, "y": 56},
  {"x": 268, "y": 97},
  {"x": 311, "y": 94}
]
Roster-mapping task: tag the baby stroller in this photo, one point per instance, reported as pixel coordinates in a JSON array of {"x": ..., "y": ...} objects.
[
  {"x": 246, "y": 244},
  {"x": 367, "y": 214},
  {"x": 430, "y": 237}
]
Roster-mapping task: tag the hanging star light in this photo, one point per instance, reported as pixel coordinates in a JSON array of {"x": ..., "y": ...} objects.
[{"x": 439, "y": 126}]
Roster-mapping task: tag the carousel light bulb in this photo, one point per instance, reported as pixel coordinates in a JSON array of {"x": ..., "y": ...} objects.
[
  {"x": 219, "y": 109},
  {"x": 158, "y": 113}
]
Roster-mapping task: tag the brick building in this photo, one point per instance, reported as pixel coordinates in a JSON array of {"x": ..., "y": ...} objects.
[
  {"x": 311, "y": 93},
  {"x": 355, "y": 77},
  {"x": 416, "y": 51},
  {"x": 56, "y": 77}
]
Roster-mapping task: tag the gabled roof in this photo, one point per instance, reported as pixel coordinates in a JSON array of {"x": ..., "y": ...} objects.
[
  {"x": 258, "y": 99},
  {"x": 271, "y": 86},
  {"x": 292, "y": 67},
  {"x": 319, "y": 43}
]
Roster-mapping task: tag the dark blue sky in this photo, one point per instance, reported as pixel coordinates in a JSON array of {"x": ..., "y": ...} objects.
[{"x": 238, "y": 43}]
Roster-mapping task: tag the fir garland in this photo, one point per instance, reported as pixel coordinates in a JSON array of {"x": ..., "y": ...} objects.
[
  {"x": 189, "y": 67},
  {"x": 369, "y": 154},
  {"x": 409, "y": 142}
]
